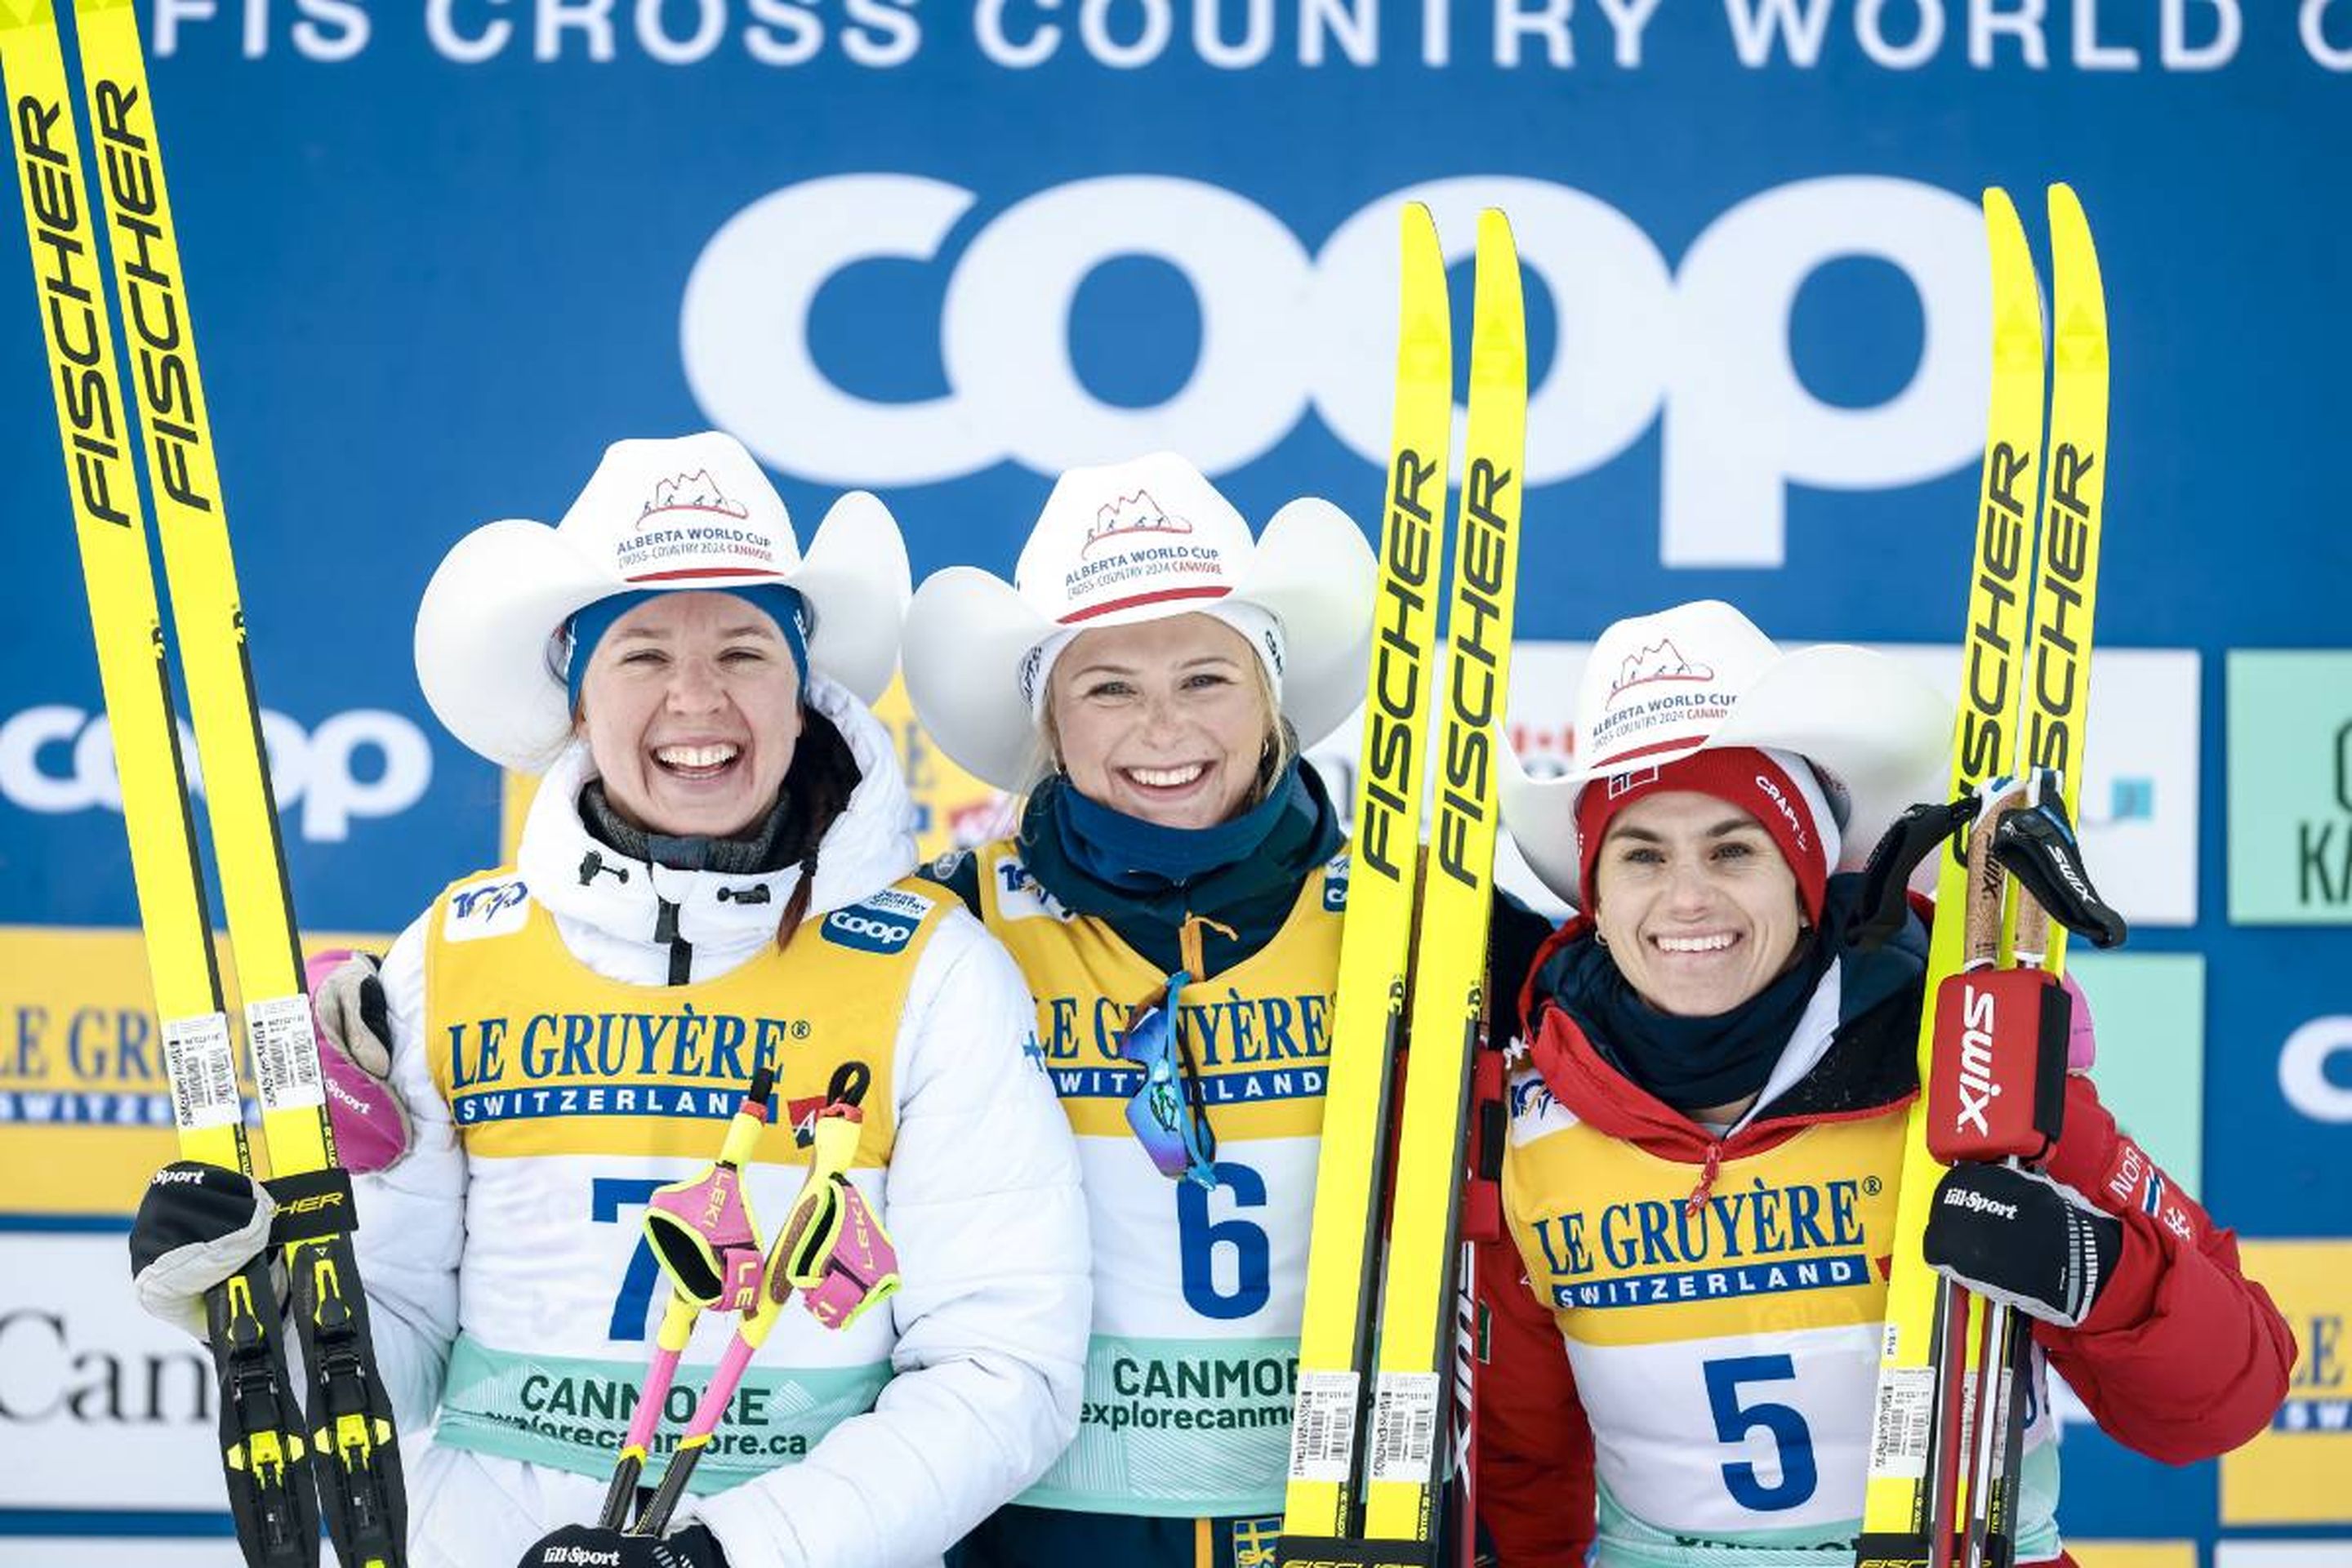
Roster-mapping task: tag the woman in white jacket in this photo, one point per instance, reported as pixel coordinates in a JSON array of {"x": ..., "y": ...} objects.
[{"x": 713, "y": 878}]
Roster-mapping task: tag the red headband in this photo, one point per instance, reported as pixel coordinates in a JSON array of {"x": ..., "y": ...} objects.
[{"x": 1742, "y": 777}]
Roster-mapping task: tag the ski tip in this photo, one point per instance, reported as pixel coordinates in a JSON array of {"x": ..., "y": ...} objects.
[
  {"x": 2017, "y": 320},
  {"x": 2080, "y": 293},
  {"x": 1422, "y": 255},
  {"x": 1500, "y": 312},
  {"x": 2001, "y": 211},
  {"x": 2070, "y": 228}
]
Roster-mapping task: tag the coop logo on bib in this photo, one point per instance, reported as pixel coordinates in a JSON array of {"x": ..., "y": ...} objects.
[{"x": 885, "y": 923}]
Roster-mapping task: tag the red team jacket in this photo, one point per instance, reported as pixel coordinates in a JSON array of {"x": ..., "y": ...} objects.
[{"x": 2182, "y": 1357}]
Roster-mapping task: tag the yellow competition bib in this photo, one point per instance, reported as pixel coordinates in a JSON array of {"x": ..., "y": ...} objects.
[
  {"x": 537, "y": 1054},
  {"x": 1726, "y": 1350},
  {"x": 1257, "y": 1033},
  {"x": 575, "y": 1098},
  {"x": 1197, "y": 1291}
]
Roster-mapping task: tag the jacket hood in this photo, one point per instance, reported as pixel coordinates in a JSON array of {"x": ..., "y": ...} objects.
[
  {"x": 1848, "y": 1052},
  {"x": 577, "y": 877}
]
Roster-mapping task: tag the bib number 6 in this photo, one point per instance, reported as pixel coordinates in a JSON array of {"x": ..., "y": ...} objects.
[{"x": 1204, "y": 1242}]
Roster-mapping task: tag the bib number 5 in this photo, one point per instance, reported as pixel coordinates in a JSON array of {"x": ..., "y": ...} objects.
[{"x": 1736, "y": 1418}]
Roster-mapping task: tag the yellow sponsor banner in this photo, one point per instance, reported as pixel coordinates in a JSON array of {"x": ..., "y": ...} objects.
[
  {"x": 2295, "y": 1472},
  {"x": 2133, "y": 1554},
  {"x": 85, "y": 1102},
  {"x": 953, "y": 810},
  {"x": 516, "y": 791},
  {"x": 1786, "y": 1241}
]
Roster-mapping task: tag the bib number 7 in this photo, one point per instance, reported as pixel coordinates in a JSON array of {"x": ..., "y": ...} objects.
[{"x": 608, "y": 1196}]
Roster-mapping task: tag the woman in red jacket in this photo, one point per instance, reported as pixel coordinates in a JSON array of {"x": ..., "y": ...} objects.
[{"x": 1706, "y": 1136}]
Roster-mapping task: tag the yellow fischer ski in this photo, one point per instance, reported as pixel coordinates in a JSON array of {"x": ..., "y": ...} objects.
[
  {"x": 350, "y": 1454},
  {"x": 2057, "y": 699},
  {"x": 263, "y": 1452},
  {"x": 1321, "y": 1500},
  {"x": 1365, "y": 1487},
  {"x": 1941, "y": 1485},
  {"x": 1404, "y": 1477},
  {"x": 2066, "y": 566}
]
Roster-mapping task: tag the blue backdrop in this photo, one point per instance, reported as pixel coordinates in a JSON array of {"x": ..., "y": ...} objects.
[{"x": 439, "y": 254}]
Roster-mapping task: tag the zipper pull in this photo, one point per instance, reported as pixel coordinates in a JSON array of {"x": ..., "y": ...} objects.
[{"x": 1697, "y": 1200}]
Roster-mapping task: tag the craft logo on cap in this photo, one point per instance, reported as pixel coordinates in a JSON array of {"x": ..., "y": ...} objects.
[
  {"x": 1770, "y": 789},
  {"x": 689, "y": 527},
  {"x": 1138, "y": 513}
]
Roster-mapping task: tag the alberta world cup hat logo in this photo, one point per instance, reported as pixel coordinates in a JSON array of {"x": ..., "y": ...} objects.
[
  {"x": 1135, "y": 552},
  {"x": 1658, "y": 696},
  {"x": 1128, "y": 515},
  {"x": 696, "y": 492},
  {"x": 689, "y": 527},
  {"x": 1660, "y": 662}
]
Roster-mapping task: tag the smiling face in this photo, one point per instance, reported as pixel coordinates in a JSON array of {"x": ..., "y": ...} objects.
[
  {"x": 1167, "y": 720},
  {"x": 1696, "y": 903},
  {"x": 691, "y": 708}
]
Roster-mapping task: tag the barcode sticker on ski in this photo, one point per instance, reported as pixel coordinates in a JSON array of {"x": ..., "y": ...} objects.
[
  {"x": 203, "y": 1064},
  {"x": 285, "y": 1053},
  {"x": 1899, "y": 1430},
  {"x": 1404, "y": 1427},
  {"x": 1323, "y": 1435}
]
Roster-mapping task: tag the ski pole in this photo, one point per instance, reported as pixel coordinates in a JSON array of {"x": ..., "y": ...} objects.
[
  {"x": 707, "y": 1242},
  {"x": 832, "y": 1249},
  {"x": 2052, "y": 895},
  {"x": 1998, "y": 1094}
]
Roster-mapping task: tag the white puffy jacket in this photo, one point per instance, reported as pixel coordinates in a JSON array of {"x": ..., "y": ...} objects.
[{"x": 981, "y": 1195}]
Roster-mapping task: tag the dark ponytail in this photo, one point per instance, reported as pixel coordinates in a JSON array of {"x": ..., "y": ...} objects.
[{"x": 817, "y": 789}]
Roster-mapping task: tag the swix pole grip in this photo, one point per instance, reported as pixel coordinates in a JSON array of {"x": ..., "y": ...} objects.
[{"x": 1998, "y": 1088}]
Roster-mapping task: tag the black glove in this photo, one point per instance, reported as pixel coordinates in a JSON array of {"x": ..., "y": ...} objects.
[
  {"x": 584, "y": 1546},
  {"x": 198, "y": 1225},
  {"x": 2018, "y": 1238}
]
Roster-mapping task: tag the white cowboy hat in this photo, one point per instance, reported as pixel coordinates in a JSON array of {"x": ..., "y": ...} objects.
[
  {"x": 1124, "y": 544},
  {"x": 695, "y": 511},
  {"x": 1700, "y": 676}
]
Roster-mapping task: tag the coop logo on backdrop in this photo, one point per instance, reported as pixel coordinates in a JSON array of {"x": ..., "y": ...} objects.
[
  {"x": 1700, "y": 348},
  {"x": 364, "y": 763},
  {"x": 2315, "y": 1065}
]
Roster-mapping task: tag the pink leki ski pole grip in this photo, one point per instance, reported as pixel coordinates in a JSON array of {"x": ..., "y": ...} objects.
[{"x": 863, "y": 1270}]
